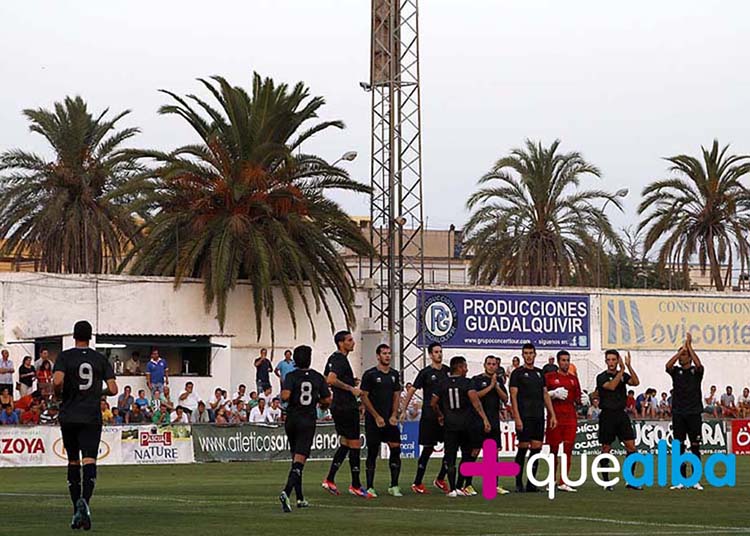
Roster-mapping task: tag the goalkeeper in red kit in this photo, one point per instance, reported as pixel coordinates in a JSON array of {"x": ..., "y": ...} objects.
[{"x": 565, "y": 392}]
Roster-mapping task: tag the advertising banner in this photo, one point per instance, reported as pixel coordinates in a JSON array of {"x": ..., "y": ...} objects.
[
  {"x": 151, "y": 444},
  {"x": 409, "y": 441},
  {"x": 661, "y": 322},
  {"x": 741, "y": 437},
  {"x": 43, "y": 446},
  {"x": 503, "y": 320}
]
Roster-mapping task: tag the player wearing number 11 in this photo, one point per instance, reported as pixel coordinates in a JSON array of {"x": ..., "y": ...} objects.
[{"x": 79, "y": 375}]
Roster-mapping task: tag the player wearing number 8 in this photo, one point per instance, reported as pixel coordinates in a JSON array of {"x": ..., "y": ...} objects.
[{"x": 79, "y": 375}]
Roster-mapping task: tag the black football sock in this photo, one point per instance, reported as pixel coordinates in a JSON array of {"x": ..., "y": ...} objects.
[
  {"x": 74, "y": 484},
  {"x": 354, "y": 465},
  {"x": 460, "y": 479},
  {"x": 450, "y": 470},
  {"x": 535, "y": 465},
  {"x": 394, "y": 461},
  {"x": 338, "y": 458},
  {"x": 424, "y": 457},
  {"x": 298, "y": 484},
  {"x": 695, "y": 448},
  {"x": 441, "y": 474},
  {"x": 469, "y": 480},
  {"x": 295, "y": 475},
  {"x": 371, "y": 463},
  {"x": 683, "y": 466},
  {"x": 520, "y": 460},
  {"x": 89, "y": 480}
]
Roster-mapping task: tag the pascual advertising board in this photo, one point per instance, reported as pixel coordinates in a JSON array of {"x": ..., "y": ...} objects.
[
  {"x": 151, "y": 444},
  {"x": 503, "y": 319},
  {"x": 661, "y": 322}
]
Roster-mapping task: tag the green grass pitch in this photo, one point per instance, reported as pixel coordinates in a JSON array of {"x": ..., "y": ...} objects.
[{"x": 241, "y": 498}]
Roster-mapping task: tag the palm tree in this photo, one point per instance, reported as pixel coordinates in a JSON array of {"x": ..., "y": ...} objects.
[
  {"x": 532, "y": 225},
  {"x": 245, "y": 204},
  {"x": 69, "y": 212},
  {"x": 703, "y": 211}
]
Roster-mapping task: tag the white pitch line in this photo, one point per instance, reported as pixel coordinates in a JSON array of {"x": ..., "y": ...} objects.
[{"x": 183, "y": 499}]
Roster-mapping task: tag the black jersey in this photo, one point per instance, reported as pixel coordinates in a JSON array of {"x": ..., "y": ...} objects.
[
  {"x": 530, "y": 397},
  {"x": 85, "y": 371},
  {"x": 307, "y": 388},
  {"x": 380, "y": 387},
  {"x": 339, "y": 365},
  {"x": 429, "y": 380},
  {"x": 455, "y": 402},
  {"x": 491, "y": 401},
  {"x": 686, "y": 394},
  {"x": 612, "y": 400}
]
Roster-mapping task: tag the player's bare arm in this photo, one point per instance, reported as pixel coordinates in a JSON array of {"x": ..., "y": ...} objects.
[
  {"x": 550, "y": 409},
  {"x": 633, "y": 381},
  {"x": 675, "y": 358},
  {"x": 487, "y": 390},
  {"x": 393, "y": 420},
  {"x": 514, "y": 408},
  {"x": 612, "y": 384},
  {"x": 380, "y": 421},
  {"x": 58, "y": 380},
  {"x": 693, "y": 354},
  {"x": 325, "y": 402},
  {"x": 111, "y": 389},
  {"x": 285, "y": 394},
  {"x": 333, "y": 381},
  {"x": 435, "y": 405},
  {"x": 474, "y": 397}
]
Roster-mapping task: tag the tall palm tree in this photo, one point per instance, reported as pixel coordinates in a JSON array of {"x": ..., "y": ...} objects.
[
  {"x": 69, "y": 212},
  {"x": 532, "y": 224},
  {"x": 244, "y": 203},
  {"x": 703, "y": 211}
]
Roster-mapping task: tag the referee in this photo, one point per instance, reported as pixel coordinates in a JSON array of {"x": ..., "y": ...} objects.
[
  {"x": 687, "y": 401},
  {"x": 613, "y": 420},
  {"x": 529, "y": 397}
]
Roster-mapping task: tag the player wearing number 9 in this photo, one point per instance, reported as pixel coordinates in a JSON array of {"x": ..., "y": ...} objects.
[
  {"x": 303, "y": 389},
  {"x": 80, "y": 373}
]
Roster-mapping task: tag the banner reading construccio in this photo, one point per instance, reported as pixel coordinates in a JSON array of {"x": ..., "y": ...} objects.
[
  {"x": 661, "y": 322},
  {"x": 503, "y": 319}
]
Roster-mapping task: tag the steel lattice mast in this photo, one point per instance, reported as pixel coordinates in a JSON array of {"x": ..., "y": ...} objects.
[{"x": 396, "y": 209}]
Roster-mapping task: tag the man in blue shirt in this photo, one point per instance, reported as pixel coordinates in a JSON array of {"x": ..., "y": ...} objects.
[
  {"x": 8, "y": 416},
  {"x": 157, "y": 372},
  {"x": 284, "y": 367}
]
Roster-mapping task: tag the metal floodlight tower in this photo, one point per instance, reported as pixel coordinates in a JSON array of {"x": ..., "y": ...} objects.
[{"x": 396, "y": 209}]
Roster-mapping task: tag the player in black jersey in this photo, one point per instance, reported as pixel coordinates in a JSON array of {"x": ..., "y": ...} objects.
[
  {"x": 431, "y": 431},
  {"x": 381, "y": 393},
  {"x": 613, "y": 420},
  {"x": 529, "y": 398},
  {"x": 303, "y": 389},
  {"x": 78, "y": 378},
  {"x": 687, "y": 401},
  {"x": 345, "y": 413},
  {"x": 455, "y": 403},
  {"x": 491, "y": 392}
]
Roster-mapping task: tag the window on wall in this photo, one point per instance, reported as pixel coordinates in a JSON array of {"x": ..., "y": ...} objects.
[{"x": 185, "y": 355}]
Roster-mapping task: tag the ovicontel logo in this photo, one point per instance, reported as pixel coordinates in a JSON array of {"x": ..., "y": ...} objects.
[{"x": 654, "y": 474}]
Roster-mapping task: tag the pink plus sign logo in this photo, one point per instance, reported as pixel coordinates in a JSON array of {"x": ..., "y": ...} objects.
[{"x": 489, "y": 469}]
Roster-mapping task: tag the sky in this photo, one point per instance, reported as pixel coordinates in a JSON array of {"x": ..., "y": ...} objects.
[{"x": 624, "y": 83}]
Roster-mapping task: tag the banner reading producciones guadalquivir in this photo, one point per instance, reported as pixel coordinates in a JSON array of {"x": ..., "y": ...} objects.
[
  {"x": 503, "y": 319},
  {"x": 661, "y": 322}
]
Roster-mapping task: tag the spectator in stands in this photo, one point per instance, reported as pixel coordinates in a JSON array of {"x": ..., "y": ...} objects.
[
  {"x": 107, "y": 417},
  {"x": 160, "y": 416},
  {"x": 323, "y": 415},
  {"x": 630, "y": 404},
  {"x": 26, "y": 376},
  {"x": 133, "y": 365},
  {"x": 267, "y": 395},
  {"x": 594, "y": 410},
  {"x": 142, "y": 401},
  {"x": 50, "y": 415},
  {"x": 240, "y": 395},
  {"x": 514, "y": 363},
  {"x": 125, "y": 401},
  {"x": 259, "y": 414},
  {"x": 284, "y": 367},
  {"x": 31, "y": 416},
  {"x": 201, "y": 416},
  {"x": 157, "y": 372},
  {"x": 414, "y": 411},
  {"x": 189, "y": 399},
  {"x": 263, "y": 368},
  {"x": 43, "y": 356},
  {"x": 743, "y": 404},
  {"x": 728, "y": 405},
  {"x": 253, "y": 402},
  {"x": 221, "y": 417},
  {"x": 179, "y": 416},
  {"x": 712, "y": 405},
  {"x": 6, "y": 398},
  {"x": 242, "y": 412},
  {"x": 665, "y": 408},
  {"x": 116, "y": 417},
  {"x": 44, "y": 378},
  {"x": 274, "y": 412},
  {"x": 166, "y": 399},
  {"x": 135, "y": 415},
  {"x": 217, "y": 402},
  {"x": 648, "y": 404},
  {"x": 8, "y": 416},
  {"x": 6, "y": 372},
  {"x": 550, "y": 366}
]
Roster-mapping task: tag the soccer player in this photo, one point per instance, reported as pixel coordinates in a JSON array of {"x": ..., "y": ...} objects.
[
  {"x": 613, "y": 420},
  {"x": 431, "y": 431},
  {"x": 78, "y": 378},
  {"x": 303, "y": 389},
  {"x": 456, "y": 396},
  {"x": 687, "y": 400},
  {"x": 528, "y": 398},
  {"x": 565, "y": 392},
  {"x": 381, "y": 394},
  {"x": 345, "y": 413}
]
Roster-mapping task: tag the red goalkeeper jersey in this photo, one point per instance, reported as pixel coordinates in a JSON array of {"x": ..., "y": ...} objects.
[{"x": 565, "y": 410}]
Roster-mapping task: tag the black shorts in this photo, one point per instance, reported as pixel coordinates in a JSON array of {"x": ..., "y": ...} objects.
[
  {"x": 81, "y": 440},
  {"x": 430, "y": 432},
  {"x": 300, "y": 432},
  {"x": 533, "y": 430},
  {"x": 615, "y": 424},
  {"x": 347, "y": 423},
  {"x": 456, "y": 440},
  {"x": 475, "y": 435},
  {"x": 493, "y": 434},
  {"x": 386, "y": 434},
  {"x": 689, "y": 425}
]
